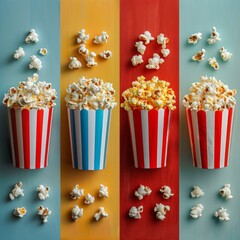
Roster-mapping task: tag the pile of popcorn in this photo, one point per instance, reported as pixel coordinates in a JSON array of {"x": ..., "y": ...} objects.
[
  {"x": 31, "y": 94},
  {"x": 91, "y": 93},
  {"x": 149, "y": 94},
  {"x": 209, "y": 94}
]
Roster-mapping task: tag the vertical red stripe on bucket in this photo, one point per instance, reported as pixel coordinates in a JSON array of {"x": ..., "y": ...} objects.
[
  {"x": 138, "y": 137},
  {"x": 39, "y": 129},
  {"x": 202, "y": 129},
  {"x": 164, "y": 137},
  {"x": 14, "y": 132},
  {"x": 229, "y": 129},
  {"x": 217, "y": 138},
  {"x": 26, "y": 137},
  {"x": 153, "y": 137}
]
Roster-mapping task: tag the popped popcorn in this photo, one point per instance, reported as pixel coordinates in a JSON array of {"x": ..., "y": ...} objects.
[
  {"x": 90, "y": 59},
  {"x": 140, "y": 47},
  {"x": 74, "y": 63},
  {"x": 19, "y": 53},
  {"x": 106, "y": 54},
  {"x": 31, "y": 95},
  {"x": 103, "y": 191},
  {"x": 161, "y": 210},
  {"x": 20, "y": 212},
  {"x": 17, "y": 191},
  {"x": 77, "y": 212},
  {"x": 77, "y": 192},
  {"x": 35, "y": 63},
  {"x": 44, "y": 213},
  {"x": 89, "y": 199},
  {"x": 167, "y": 192},
  {"x": 136, "y": 60},
  {"x": 135, "y": 212},
  {"x": 32, "y": 37},
  {"x": 101, "y": 38},
  {"x": 90, "y": 93},
  {"x": 142, "y": 191},
  {"x": 226, "y": 191},
  {"x": 146, "y": 37},
  {"x": 222, "y": 214},
  {"x": 43, "y": 51},
  {"x": 213, "y": 63},
  {"x": 43, "y": 192},
  {"x": 197, "y": 192},
  {"x": 149, "y": 94},
  {"x": 101, "y": 214},
  {"x": 196, "y": 211},
  {"x": 194, "y": 38},
  {"x": 165, "y": 52},
  {"x": 209, "y": 94},
  {"x": 161, "y": 39},
  {"x": 199, "y": 56},
  {"x": 82, "y": 37},
  {"x": 154, "y": 62},
  {"x": 83, "y": 50},
  {"x": 225, "y": 55},
  {"x": 215, "y": 36}
]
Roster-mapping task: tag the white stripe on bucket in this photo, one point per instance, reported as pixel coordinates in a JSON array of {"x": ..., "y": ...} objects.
[
  {"x": 91, "y": 138},
  {"x": 77, "y": 119},
  {"x": 160, "y": 136},
  {"x": 210, "y": 126},
  {"x": 103, "y": 140},
  {"x": 145, "y": 137},
  {"x": 223, "y": 137},
  {"x": 44, "y": 136}
]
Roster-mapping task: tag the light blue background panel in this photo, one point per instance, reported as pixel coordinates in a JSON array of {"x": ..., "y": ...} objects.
[
  {"x": 200, "y": 16},
  {"x": 16, "y": 19}
]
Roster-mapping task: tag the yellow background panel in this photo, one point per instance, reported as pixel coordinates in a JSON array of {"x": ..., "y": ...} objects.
[{"x": 95, "y": 17}]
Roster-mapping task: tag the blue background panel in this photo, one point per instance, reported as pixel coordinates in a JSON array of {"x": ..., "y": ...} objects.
[
  {"x": 200, "y": 16},
  {"x": 16, "y": 19}
]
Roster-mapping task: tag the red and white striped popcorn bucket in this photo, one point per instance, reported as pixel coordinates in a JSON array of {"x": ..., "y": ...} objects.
[
  {"x": 30, "y": 132},
  {"x": 149, "y": 134},
  {"x": 210, "y": 137}
]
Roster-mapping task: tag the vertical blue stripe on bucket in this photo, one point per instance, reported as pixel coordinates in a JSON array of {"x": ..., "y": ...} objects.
[
  {"x": 108, "y": 125},
  {"x": 84, "y": 133},
  {"x": 74, "y": 141},
  {"x": 98, "y": 138}
]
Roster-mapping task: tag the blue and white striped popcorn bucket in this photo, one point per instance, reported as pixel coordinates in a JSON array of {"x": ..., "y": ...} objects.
[{"x": 89, "y": 130}]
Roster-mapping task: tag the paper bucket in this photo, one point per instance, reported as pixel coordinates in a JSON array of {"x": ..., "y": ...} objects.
[
  {"x": 149, "y": 134},
  {"x": 89, "y": 137},
  {"x": 30, "y": 132},
  {"x": 210, "y": 137}
]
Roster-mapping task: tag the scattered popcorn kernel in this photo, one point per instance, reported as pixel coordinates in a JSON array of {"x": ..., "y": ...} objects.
[
  {"x": 16, "y": 191},
  {"x": 213, "y": 63},
  {"x": 82, "y": 37},
  {"x": 74, "y": 63},
  {"x": 106, "y": 54},
  {"x": 43, "y": 192},
  {"x": 77, "y": 212},
  {"x": 19, "y": 53},
  {"x": 154, "y": 62},
  {"x": 196, "y": 211},
  {"x": 199, "y": 56},
  {"x": 103, "y": 191},
  {"x": 165, "y": 52},
  {"x": 19, "y": 212},
  {"x": 140, "y": 47},
  {"x": 142, "y": 191},
  {"x": 101, "y": 214},
  {"x": 43, "y": 51},
  {"x": 32, "y": 37},
  {"x": 136, "y": 60},
  {"x": 161, "y": 210},
  {"x": 135, "y": 212},
  {"x": 226, "y": 191},
  {"x": 44, "y": 213},
  {"x": 194, "y": 38},
  {"x": 166, "y": 191},
  {"x": 197, "y": 192},
  {"x": 215, "y": 37},
  {"x": 90, "y": 59},
  {"x": 225, "y": 55},
  {"x": 89, "y": 199},
  {"x": 101, "y": 38},
  {"x": 161, "y": 39},
  {"x": 77, "y": 192},
  {"x": 35, "y": 63},
  {"x": 222, "y": 215},
  {"x": 146, "y": 37}
]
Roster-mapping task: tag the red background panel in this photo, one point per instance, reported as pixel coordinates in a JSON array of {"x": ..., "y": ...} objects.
[{"x": 156, "y": 16}]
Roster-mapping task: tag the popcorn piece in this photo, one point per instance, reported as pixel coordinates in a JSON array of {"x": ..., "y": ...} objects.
[
  {"x": 74, "y": 63},
  {"x": 196, "y": 211},
  {"x": 103, "y": 191},
  {"x": 90, "y": 93},
  {"x": 82, "y": 37},
  {"x": 136, "y": 60},
  {"x": 146, "y": 37},
  {"x": 167, "y": 192},
  {"x": 43, "y": 51},
  {"x": 89, "y": 199},
  {"x": 30, "y": 94},
  {"x": 209, "y": 94},
  {"x": 142, "y": 191},
  {"x": 149, "y": 94},
  {"x": 194, "y": 38},
  {"x": 35, "y": 63},
  {"x": 154, "y": 62},
  {"x": 83, "y": 50},
  {"x": 17, "y": 191},
  {"x": 106, "y": 54},
  {"x": 77, "y": 212},
  {"x": 140, "y": 47},
  {"x": 101, "y": 214},
  {"x": 213, "y": 63},
  {"x": 161, "y": 39},
  {"x": 222, "y": 214},
  {"x": 90, "y": 59},
  {"x": 43, "y": 192},
  {"x": 161, "y": 210},
  {"x": 226, "y": 191},
  {"x": 214, "y": 36},
  {"x": 135, "y": 212},
  {"x": 165, "y": 52},
  {"x": 20, "y": 212},
  {"x": 19, "y": 53},
  {"x": 76, "y": 193},
  {"x": 44, "y": 213},
  {"x": 101, "y": 38},
  {"x": 197, "y": 192},
  {"x": 225, "y": 55},
  {"x": 199, "y": 56},
  {"x": 32, "y": 37}
]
